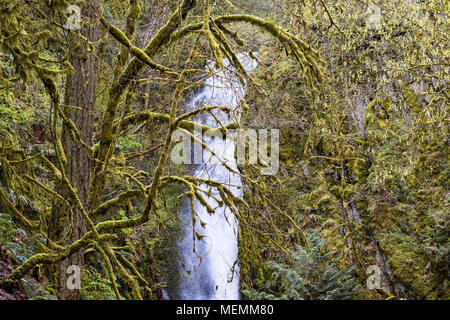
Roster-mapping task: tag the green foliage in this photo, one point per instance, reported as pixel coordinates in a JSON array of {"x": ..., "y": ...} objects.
[
  {"x": 129, "y": 143},
  {"x": 15, "y": 239},
  {"x": 36, "y": 291},
  {"x": 7, "y": 227},
  {"x": 367, "y": 159},
  {"x": 311, "y": 273},
  {"x": 15, "y": 248},
  {"x": 96, "y": 285}
]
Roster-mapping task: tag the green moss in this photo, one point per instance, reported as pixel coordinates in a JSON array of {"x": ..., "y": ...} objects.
[{"x": 96, "y": 285}]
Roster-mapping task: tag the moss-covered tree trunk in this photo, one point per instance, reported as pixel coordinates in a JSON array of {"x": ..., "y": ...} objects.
[{"x": 80, "y": 96}]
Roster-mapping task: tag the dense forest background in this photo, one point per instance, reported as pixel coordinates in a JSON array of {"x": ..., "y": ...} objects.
[{"x": 359, "y": 92}]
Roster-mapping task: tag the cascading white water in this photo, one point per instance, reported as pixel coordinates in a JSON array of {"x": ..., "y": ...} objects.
[{"x": 213, "y": 271}]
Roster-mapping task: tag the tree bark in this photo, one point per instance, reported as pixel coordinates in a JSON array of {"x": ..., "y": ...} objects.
[{"x": 80, "y": 93}]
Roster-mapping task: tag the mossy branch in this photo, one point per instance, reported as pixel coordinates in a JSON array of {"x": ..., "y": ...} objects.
[
  {"x": 143, "y": 116},
  {"x": 140, "y": 54}
]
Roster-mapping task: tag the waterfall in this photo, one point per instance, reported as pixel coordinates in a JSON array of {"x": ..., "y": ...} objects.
[{"x": 213, "y": 271}]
